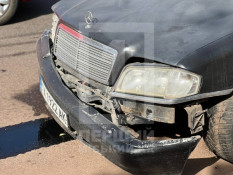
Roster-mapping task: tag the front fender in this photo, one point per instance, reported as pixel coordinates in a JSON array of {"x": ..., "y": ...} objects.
[{"x": 214, "y": 62}]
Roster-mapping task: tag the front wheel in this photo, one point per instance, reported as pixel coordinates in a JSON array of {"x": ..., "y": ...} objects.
[
  {"x": 219, "y": 137},
  {"x": 7, "y": 10}
]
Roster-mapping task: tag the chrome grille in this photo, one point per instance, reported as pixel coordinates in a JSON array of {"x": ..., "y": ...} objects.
[{"x": 86, "y": 56}]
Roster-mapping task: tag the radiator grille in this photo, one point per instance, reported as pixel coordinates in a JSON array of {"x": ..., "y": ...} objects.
[{"x": 86, "y": 56}]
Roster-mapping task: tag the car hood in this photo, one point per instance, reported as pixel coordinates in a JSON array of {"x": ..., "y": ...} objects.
[
  {"x": 162, "y": 31},
  {"x": 193, "y": 35}
]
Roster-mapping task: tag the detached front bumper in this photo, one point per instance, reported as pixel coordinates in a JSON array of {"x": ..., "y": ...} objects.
[{"x": 135, "y": 156}]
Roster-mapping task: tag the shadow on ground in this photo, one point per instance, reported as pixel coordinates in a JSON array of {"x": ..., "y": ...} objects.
[
  {"x": 194, "y": 166},
  {"x": 32, "y": 9},
  {"x": 24, "y": 137},
  {"x": 33, "y": 98}
]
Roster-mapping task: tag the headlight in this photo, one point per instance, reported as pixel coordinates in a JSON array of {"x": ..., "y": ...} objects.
[
  {"x": 158, "y": 81},
  {"x": 54, "y": 27}
]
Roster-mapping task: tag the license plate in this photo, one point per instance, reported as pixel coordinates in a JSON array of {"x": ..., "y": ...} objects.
[{"x": 61, "y": 115}]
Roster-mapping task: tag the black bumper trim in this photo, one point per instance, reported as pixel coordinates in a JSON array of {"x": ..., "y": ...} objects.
[
  {"x": 171, "y": 101},
  {"x": 135, "y": 156}
]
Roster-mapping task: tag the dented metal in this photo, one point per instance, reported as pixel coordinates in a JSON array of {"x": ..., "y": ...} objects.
[
  {"x": 114, "y": 142},
  {"x": 196, "y": 118}
]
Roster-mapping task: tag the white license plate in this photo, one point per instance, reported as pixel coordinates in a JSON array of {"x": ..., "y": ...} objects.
[{"x": 61, "y": 115}]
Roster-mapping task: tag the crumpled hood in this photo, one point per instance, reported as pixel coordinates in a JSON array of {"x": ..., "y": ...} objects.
[{"x": 178, "y": 27}]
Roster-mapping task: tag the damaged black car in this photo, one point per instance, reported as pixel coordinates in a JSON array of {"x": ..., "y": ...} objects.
[{"x": 141, "y": 81}]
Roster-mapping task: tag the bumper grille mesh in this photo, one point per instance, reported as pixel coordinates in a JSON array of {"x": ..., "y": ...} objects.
[{"x": 86, "y": 56}]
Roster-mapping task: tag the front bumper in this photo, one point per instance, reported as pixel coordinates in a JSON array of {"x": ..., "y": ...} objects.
[{"x": 135, "y": 156}]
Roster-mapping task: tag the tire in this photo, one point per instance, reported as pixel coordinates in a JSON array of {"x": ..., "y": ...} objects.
[
  {"x": 10, "y": 12},
  {"x": 219, "y": 136}
]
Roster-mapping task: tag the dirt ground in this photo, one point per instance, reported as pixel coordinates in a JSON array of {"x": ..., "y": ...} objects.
[{"x": 21, "y": 105}]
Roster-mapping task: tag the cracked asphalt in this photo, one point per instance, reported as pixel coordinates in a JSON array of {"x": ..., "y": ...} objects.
[{"x": 26, "y": 144}]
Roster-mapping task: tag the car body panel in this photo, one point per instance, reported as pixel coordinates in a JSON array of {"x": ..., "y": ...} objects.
[
  {"x": 181, "y": 33},
  {"x": 117, "y": 144}
]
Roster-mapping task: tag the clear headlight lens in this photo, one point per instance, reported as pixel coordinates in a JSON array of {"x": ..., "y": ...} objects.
[
  {"x": 158, "y": 81},
  {"x": 54, "y": 26}
]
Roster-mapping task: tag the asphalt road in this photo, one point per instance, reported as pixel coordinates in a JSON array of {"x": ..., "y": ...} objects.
[{"x": 29, "y": 140}]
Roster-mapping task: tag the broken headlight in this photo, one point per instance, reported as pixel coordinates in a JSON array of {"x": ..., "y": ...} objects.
[
  {"x": 158, "y": 81},
  {"x": 54, "y": 27}
]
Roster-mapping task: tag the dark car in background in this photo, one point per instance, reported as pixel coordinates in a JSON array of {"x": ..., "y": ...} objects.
[
  {"x": 8, "y": 9},
  {"x": 151, "y": 66}
]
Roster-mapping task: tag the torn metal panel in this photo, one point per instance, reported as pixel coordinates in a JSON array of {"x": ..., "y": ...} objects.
[{"x": 196, "y": 118}]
